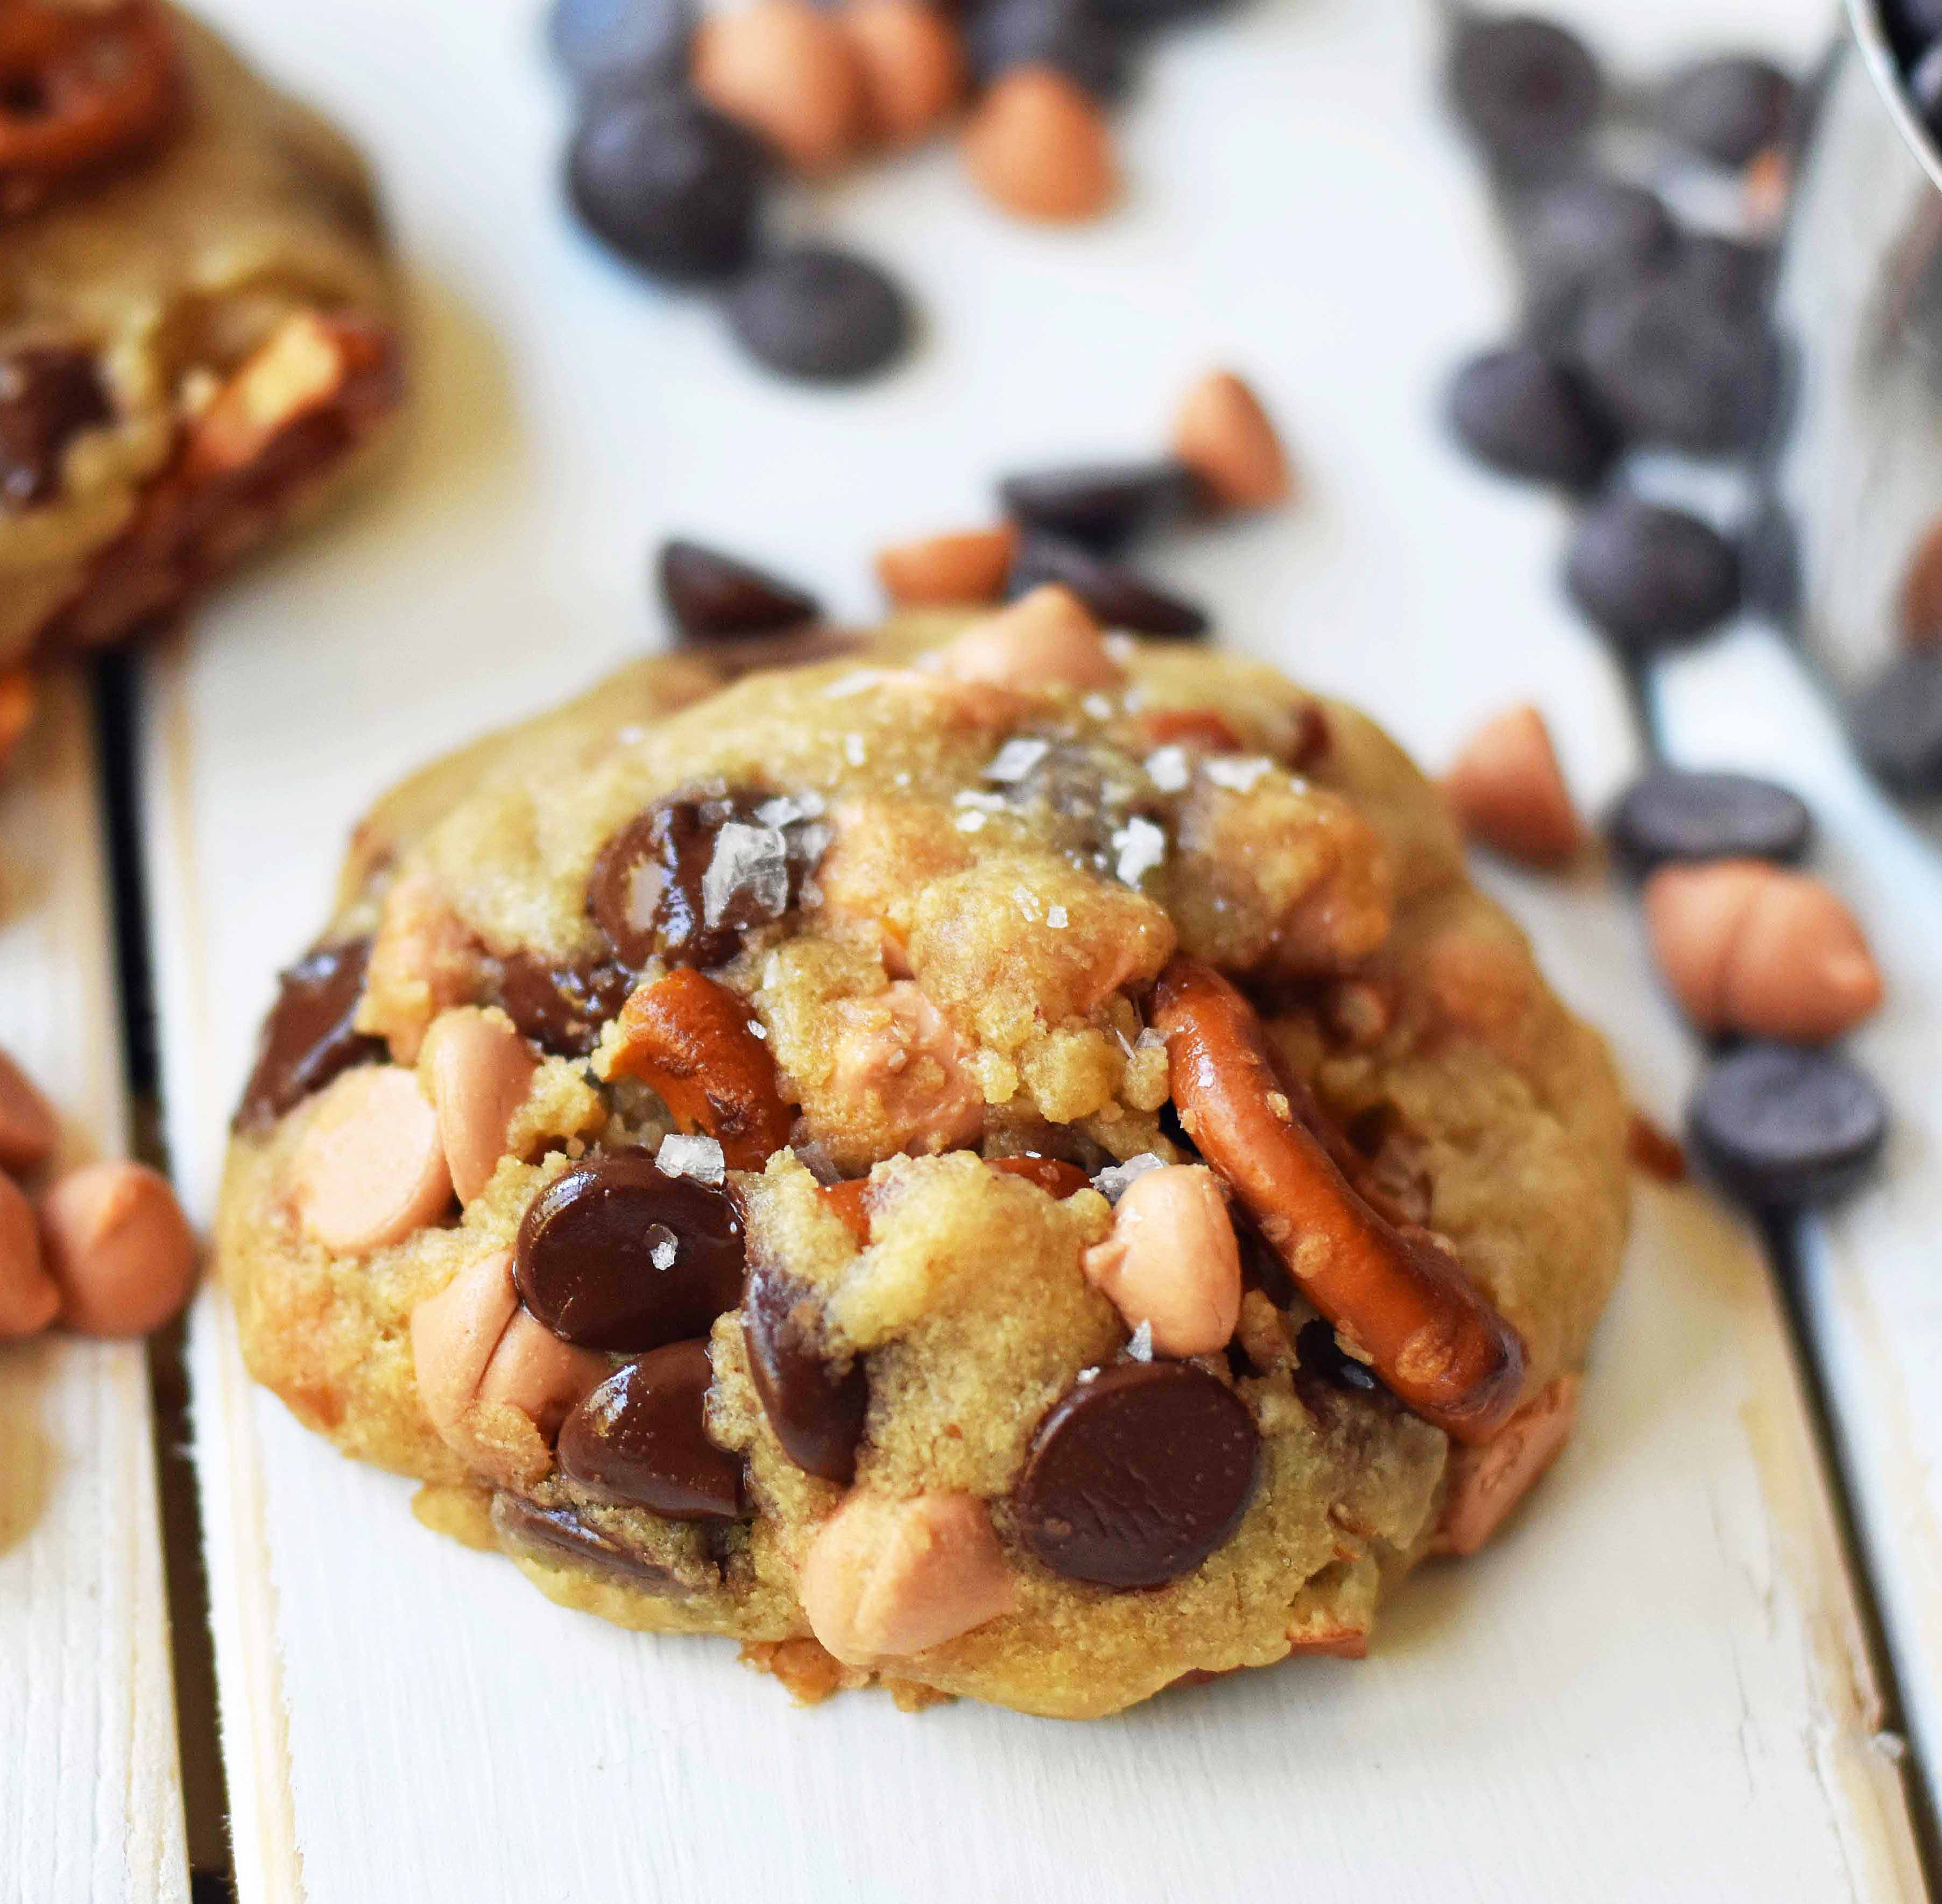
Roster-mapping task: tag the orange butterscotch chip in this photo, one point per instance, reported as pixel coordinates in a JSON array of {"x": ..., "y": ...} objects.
[
  {"x": 1039, "y": 147},
  {"x": 911, "y": 56},
  {"x": 971, "y": 565},
  {"x": 785, "y": 69},
  {"x": 1224, "y": 435},
  {"x": 1508, "y": 791}
]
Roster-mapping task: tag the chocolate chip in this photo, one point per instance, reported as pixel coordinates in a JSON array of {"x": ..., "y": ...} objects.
[
  {"x": 822, "y": 315},
  {"x": 1670, "y": 816},
  {"x": 1137, "y": 1475},
  {"x": 1727, "y": 109},
  {"x": 1104, "y": 505},
  {"x": 717, "y": 597},
  {"x": 817, "y": 1413},
  {"x": 1924, "y": 85},
  {"x": 1525, "y": 413},
  {"x": 561, "y": 1008},
  {"x": 1770, "y": 561},
  {"x": 1120, "y": 598},
  {"x": 49, "y": 393},
  {"x": 683, "y": 880},
  {"x": 1528, "y": 89},
  {"x": 1089, "y": 42},
  {"x": 609, "y": 44},
  {"x": 1651, "y": 576},
  {"x": 1896, "y": 724},
  {"x": 308, "y": 1038},
  {"x": 639, "y": 1437},
  {"x": 670, "y": 184},
  {"x": 560, "y": 1533},
  {"x": 615, "y": 1255},
  {"x": 1573, "y": 235},
  {"x": 1325, "y": 1371},
  {"x": 1684, "y": 356},
  {"x": 1780, "y": 1126},
  {"x": 1914, "y": 22}
]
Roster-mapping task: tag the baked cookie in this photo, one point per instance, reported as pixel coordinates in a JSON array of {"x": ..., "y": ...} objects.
[
  {"x": 1014, "y": 1162},
  {"x": 197, "y": 323}
]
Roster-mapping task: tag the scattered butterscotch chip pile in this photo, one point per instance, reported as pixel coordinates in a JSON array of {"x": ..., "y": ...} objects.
[{"x": 103, "y": 1250}]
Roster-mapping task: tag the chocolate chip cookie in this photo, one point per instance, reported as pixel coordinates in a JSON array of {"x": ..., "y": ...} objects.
[
  {"x": 1007, "y": 1161},
  {"x": 198, "y": 335}
]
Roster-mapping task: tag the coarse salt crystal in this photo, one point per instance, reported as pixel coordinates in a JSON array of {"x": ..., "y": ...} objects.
[
  {"x": 1121, "y": 646},
  {"x": 852, "y": 749},
  {"x": 1238, "y": 776},
  {"x": 1016, "y": 758},
  {"x": 855, "y": 683},
  {"x": 1097, "y": 706},
  {"x": 1140, "y": 1348},
  {"x": 784, "y": 810},
  {"x": 699, "y": 1157},
  {"x": 985, "y": 803},
  {"x": 1058, "y": 916},
  {"x": 971, "y": 823},
  {"x": 1113, "y": 1182},
  {"x": 749, "y": 863},
  {"x": 1141, "y": 847},
  {"x": 663, "y": 1246},
  {"x": 1167, "y": 769}
]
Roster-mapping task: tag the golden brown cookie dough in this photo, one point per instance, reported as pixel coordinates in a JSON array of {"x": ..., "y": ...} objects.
[
  {"x": 198, "y": 325},
  {"x": 870, "y": 930}
]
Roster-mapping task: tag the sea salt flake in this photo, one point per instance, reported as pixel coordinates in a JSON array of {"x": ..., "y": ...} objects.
[
  {"x": 1141, "y": 845},
  {"x": 1058, "y": 916},
  {"x": 854, "y": 750},
  {"x": 1140, "y": 1348},
  {"x": 1085, "y": 1376},
  {"x": 1097, "y": 706},
  {"x": 748, "y": 870},
  {"x": 1121, "y": 646},
  {"x": 784, "y": 810},
  {"x": 1238, "y": 776},
  {"x": 1015, "y": 759},
  {"x": 663, "y": 1246},
  {"x": 699, "y": 1157},
  {"x": 1168, "y": 768},
  {"x": 1113, "y": 1182},
  {"x": 971, "y": 823},
  {"x": 855, "y": 683}
]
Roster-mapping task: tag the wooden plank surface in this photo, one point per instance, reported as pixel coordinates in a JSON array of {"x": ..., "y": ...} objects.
[
  {"x": 1656, "y": 1688},
  {"x": 1871, "y": 1276},
  {"x": 92, "y": 1807}
]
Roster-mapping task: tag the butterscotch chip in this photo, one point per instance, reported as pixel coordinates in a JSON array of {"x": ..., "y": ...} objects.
[
  {"x": 1225, "y": 435},
  {"x": 1508, "y": 791},
  {"x": 27, "y": 1128},
  {"x": 1038, "y": 146},
  {"x": 1922, "y": 592},
  {"x": 785, "y": 69},
  {"x": 119, "y": 1246},
  {"x": 948, "y": 570},
  {"x": 29, "y": 1297},
  {"x": 18, "y": 698},
  {"x": 912, "y": 58}
]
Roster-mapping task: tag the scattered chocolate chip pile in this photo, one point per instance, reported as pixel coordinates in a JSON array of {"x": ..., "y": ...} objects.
[
  {"x": 1914, "y": 28},
  {"x": 103, "y": 1250},
  {"x": 1074, "y": 524},
  {"x": 685, "y": 125}
]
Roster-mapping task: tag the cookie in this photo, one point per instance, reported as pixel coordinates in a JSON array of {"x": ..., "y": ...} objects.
[
  {"x": 1011, "y": 1162},
  {"x": 200, "y": 338}
]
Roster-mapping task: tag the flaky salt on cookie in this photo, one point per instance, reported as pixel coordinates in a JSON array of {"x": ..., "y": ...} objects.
[
  {"x": 201, "y": 340},
  {"x": 1012, "y": 1162}
]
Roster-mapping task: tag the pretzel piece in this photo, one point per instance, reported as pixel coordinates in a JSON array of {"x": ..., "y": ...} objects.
[{"x": 1399, "y": 1294}]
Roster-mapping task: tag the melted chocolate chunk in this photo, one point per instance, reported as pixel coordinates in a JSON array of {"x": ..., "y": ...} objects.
[
  {"x": 616, "y": 1255},
  {"x": 1104, "y": 505},
  {"x": 817, "y": 1415},
  {"x": 716, "y": 598},
  {"x": 1137, "y": 1475},
  {"x": 560, "y": 1531},
  {"x": 1119, "y": 596},
  {"x": 686, "y": 878},
  {"x": 1325, "y": 1371},
  {"x": 49, "y": 394},
  {"x": 639, "y": 1437},
  {"x": 560, "y": 1008},
  {"x": 308, "y": 1038}
]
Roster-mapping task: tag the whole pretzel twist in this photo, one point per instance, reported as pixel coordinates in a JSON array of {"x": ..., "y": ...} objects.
[
  {"x": 1398, "y": 1294},
  {"x": 80, "y": 87}
]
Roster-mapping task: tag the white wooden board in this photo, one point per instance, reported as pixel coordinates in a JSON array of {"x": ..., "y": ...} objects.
[
  {"x": 1655, "y": 1688},
  {"x": 92, "y": 1805},
  {"x": 1872, "y": 1286}
]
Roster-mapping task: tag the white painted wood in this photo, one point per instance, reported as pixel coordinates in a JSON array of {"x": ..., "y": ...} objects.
[
  {"x": 1873, "y": 1270},
  {"x": 91, "y": 1808},
  {"x": 1656, "y": 1688}
]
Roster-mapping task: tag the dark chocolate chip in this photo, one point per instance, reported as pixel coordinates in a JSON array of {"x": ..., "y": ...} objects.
[
  {"x": 816, "y": 1412},
  {"x": 1523, "y": 412},
  {"x": 1670, "y": 816},
  {"x": 1727, "y": 109},
  {"x": 1685, "y": 356},
  {"x": 1090, "y": 41},
  {"x": 717, "y": 597},
  {"x": 610, "y": 43},
  {"x": 561, "y": 1008},
  {"x": 615, "y": 1255},
  {"x": 821, "y": 315},
  {"x": 1529, "y": 90},
  {"x": 1651, "y": 576},
  {"x": 1136, "y": 1475},
  {"x": 1770, "y": 561},
  {"x": 1104, "y": 505},
  {"x": 1924, "y": 85},
  {"x": 1325, "y": 1372},
  {"x": 662, "y": 887},
  {"x": 672, "y": 185},
  {"x": 1782, "y": 1127},
  {"x": 1897, "y": 725},
  {"x": 1573, "y": 233},
  {"x": 558, "y": 1532},
  {"x": 640, "y": 1437},
  {"x": 1120, "y": 598},
  {"x": 1914, "y": 22},
  {"x": 308, "y": 1038},
  {"x": 49, "y": 393}
]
